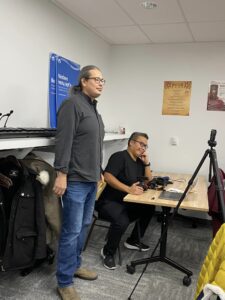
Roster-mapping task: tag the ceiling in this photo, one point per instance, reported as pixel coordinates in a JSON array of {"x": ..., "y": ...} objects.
[{"x": 172, "y": 21}]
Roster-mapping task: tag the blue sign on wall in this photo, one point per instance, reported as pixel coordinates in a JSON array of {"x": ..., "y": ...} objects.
[
  {"x": 52, "y": 90},
  {"x": 63, "y": 74}
]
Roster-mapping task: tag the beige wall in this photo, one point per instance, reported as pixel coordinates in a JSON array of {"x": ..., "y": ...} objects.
[
  {"x": 29, "y": 31},
  {"x": 136, "y": 90}
]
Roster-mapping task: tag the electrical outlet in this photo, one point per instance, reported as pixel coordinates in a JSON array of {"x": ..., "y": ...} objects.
[{"x": 174, "y": 141}]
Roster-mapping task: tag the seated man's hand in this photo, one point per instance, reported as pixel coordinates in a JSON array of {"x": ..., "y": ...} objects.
[
  {"x": 102, "y": 178},
  {"x": 135, "y": 189}
]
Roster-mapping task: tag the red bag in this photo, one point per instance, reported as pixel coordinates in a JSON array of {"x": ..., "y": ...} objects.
[{"x": 214, "y": 203}]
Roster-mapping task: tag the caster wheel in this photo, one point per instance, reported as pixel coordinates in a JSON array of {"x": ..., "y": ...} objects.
[
  {"x": 26, "y": 271},
  {"x": 130, "y": 269},
  {"x": 186, "y": 280}
]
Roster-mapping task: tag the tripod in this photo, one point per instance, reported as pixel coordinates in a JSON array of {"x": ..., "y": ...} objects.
[{"x": 166, "y": 220}]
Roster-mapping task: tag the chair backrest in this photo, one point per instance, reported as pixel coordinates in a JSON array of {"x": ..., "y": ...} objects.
[
  {"x": 212, "y": 263},
  {"x": 100, "y": 189}
]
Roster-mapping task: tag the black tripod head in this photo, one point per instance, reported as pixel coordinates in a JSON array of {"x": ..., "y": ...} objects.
[{"x": 212, "y": 143}]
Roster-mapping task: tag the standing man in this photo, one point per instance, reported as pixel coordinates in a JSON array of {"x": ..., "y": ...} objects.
[
  {"x": 78, "y": 158},
  {"x": 122, "y": 174}
]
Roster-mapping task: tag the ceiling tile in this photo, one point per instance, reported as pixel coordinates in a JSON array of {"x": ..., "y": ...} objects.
[
  {"x": 208, "y": 31},
  {"x": 168, "y": 33},
  {"x": 168, "y": 11},
  {"x": 124, "y": 35},
  {"x": 168, "y": 23},
  {"x": 203, "y": 10},
  {"x": 97, "y": 13}
]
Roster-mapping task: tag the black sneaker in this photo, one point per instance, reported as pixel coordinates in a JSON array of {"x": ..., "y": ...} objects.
[
  {"x": 108, "y": 261},
  {"x": 136, "y": 246}
]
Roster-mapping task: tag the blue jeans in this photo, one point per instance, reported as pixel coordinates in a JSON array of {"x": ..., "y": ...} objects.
[{"x": 78, "y": 205}]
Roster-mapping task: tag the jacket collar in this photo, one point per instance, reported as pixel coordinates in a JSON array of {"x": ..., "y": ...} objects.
[{"x": 91, "y": 102}]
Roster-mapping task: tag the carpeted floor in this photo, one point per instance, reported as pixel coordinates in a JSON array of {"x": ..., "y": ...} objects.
[{"x": 186, "y": 245}]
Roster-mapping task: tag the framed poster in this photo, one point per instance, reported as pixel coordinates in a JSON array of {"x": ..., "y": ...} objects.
[
  {"x": 216, "y": 96},
  {"x": 176, "y": 98}
]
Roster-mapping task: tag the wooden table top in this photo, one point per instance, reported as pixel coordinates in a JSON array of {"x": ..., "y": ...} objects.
[{"x": 197, "y": 199}]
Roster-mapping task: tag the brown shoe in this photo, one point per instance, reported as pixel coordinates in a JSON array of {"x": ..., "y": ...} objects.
[
  {"x": 68, "y": 293},
  {"x": 85, "y": 274}
]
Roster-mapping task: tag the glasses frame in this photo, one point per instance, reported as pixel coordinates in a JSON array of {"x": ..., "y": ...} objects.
[
  {"x": 142, "y": 145},
  {"x": 98, "y": 80}
]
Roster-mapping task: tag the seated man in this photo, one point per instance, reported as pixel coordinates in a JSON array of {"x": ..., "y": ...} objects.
[{"x": 121, "y": 175}]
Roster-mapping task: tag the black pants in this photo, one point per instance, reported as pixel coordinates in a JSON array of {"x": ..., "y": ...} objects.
[{"x": 121, "y": 214}]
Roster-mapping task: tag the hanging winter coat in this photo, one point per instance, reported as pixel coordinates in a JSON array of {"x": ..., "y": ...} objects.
[
  {"x": 52, "y": 203},
  {"x": 23, "y": 211}
]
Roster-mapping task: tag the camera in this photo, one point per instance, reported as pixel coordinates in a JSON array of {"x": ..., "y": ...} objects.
[
  {"x": 143, "y": 182},
  {"x": 159, "y": 182}
]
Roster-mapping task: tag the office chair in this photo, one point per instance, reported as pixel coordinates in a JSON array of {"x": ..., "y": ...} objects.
[{"x": 213, "y": 268}]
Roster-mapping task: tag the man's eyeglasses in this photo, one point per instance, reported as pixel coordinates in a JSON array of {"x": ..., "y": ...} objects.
[
  {"x": 142, "y": 145},
  {"x": 98, "y": 80}
]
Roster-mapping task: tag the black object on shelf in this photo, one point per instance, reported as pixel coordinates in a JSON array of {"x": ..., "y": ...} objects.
[{"x": 27, "y": 132}]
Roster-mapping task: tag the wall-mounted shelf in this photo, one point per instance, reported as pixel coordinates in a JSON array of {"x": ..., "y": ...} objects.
[
  {"x": 20, "y": 143},
  {"x": 115, "y": 136}
]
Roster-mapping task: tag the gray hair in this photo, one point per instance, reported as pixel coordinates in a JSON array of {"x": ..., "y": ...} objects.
[
  {"x": 84, "y": 73},
  {"x": 135, "y": 135}
]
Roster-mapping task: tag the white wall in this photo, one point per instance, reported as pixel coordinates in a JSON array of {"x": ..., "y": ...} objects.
[
  {"x": 136, "y": 90},
  {"x": 29, "y": 31}
]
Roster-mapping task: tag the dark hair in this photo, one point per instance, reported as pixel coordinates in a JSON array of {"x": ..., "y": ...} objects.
[
  {"x": 135, "y": 135},
  {"x": 84, "y": 73},
  {"x": 213, "y": 87}
]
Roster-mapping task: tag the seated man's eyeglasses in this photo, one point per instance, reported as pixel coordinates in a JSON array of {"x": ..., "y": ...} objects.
[
  {"x": 142, "y": 145},
  {"x": 98, "y": 80}
]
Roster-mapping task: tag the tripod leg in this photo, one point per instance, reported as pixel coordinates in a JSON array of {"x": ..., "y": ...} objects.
[{"x": 132, "y": 270}]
